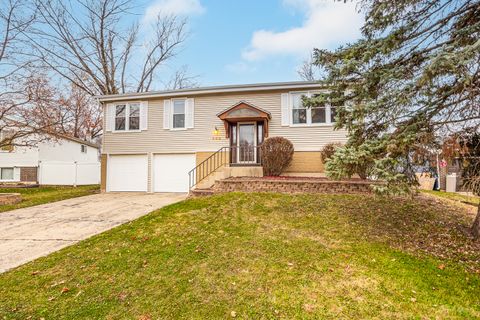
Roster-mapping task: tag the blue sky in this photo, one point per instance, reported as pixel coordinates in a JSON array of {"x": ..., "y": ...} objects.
[{"x": 248, "y": 41}]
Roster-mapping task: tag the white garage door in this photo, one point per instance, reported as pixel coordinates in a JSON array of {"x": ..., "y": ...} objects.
[
  {"x": 127, "y": 173},
  {"x": 170, "y": 172}
]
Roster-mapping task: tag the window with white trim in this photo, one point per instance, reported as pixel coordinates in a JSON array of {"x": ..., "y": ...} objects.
[
  {"x": 134, "y": 116},
  {"x": 319, "y": 113},
  {"x": 316, "y": 115},
  {"x": 6, "y": 173},
  {"x": 127, "y": 117},
  {"x": 120, "y": 117},
  {"x": 5, "y": 135},
  {"x": 299, "y": 112},
  {"x": 83, "y": 148},
  {"x": 333, "y": 106},
  {"x": 178, "y": 113}
]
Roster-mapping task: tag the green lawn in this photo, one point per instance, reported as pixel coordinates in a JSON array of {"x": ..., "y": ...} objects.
[
  {"x": 41, "y": 195},
  {"x": 262, "y": 256},
  {"x": 473, "y": 200}
]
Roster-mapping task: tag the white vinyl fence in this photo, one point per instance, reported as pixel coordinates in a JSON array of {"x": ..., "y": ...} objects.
[{"x": 68, "y": 173}]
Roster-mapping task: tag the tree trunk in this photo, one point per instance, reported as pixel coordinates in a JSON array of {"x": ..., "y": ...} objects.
[{"x": 476, "y": 224}]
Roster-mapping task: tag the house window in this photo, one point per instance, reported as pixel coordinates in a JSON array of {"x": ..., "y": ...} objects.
[
  {"x": 178, "y": 114},
  {"x": 7, "y": 146},
  {"x": 83, "y": 148},
  {"x": 299, "y": 112},
  {"x": 337, "y": 101},
  {"x": 134, "y": 117},
  {"x": 320, "y": 114},
  {"x": 6, "y": 173},
  {"x": 120, "y": 117},
  {"x": 127, "y": 117},
  {"x": 333, "y": 113}
]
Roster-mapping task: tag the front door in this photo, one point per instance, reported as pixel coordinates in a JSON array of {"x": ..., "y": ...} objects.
[{"x": 246, "y": 143}]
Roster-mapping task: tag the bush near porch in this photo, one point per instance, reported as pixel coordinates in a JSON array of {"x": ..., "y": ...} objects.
[{"x": 277, "y": 154}]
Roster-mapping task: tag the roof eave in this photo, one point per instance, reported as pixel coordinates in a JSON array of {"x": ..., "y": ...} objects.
[{"x": 212, "y": 90}]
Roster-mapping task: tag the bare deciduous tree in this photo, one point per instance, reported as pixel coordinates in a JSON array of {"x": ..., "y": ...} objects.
[
  {"x": 18, "y": 117},
  {"x": 70, "y": 112},
  {"x": 182, "y": 80},
  {"x": 80, "y": 116},
  {"x": 308, "y": 71},
  {"x": 92, "y": 44}
]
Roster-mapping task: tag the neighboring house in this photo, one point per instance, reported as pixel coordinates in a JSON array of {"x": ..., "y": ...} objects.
[
  {"x": 59, "y": 160},
  {"x": 169, "y": 141}
]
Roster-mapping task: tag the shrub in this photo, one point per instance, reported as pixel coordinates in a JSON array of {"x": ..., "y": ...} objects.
[
  {"x": 328, "y": 150},
  {"x": 347, "y": 161},
  {"x": 277, "y": 153}
]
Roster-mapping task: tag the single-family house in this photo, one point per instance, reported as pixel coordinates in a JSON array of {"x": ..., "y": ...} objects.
[
  {"x": 50, "y": 160},
  {"x": 172, "y": 141}
]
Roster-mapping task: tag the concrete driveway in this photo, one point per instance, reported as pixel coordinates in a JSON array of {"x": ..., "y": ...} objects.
[{"x": 29, "y": 233}]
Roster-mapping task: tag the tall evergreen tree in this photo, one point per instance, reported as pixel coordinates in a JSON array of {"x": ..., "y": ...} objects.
[{"x": 413, "y": 75}]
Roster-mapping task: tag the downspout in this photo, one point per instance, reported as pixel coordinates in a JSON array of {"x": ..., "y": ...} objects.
[{"x": 438, "y": 174}]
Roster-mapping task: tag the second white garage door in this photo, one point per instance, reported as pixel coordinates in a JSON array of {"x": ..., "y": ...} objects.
[{"x": 170, "y": 172}]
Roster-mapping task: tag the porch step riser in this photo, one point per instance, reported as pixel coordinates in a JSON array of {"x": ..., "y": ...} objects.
[{"x": 227, "y": 172}]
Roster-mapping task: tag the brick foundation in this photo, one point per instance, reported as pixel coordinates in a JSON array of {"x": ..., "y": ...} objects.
[
  {"x": 292, "y": 186},
  {"x": 10, "y": 198}
]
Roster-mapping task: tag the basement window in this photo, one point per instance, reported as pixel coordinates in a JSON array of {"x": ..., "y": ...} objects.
[{"x": 6, "y": 174}]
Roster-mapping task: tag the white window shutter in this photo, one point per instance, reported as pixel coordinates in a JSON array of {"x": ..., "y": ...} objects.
[
  {"x": 143, "y": 115},
  {"x": 167, "y": 114},
  {"x": 110, "y": 117},
  {"x": 189, "y": 113},
  {"x": 285, "y": 109}
]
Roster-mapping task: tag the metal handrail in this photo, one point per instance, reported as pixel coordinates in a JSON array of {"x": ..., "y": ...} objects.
[
  {"x": 206, "y": 167},
  {"x": 226, "y": 155}
]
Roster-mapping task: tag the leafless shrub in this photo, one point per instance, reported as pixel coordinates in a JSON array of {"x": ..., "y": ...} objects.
[
  {"x": 328, "y": 150},
  {"x": 277, "y": 153}
]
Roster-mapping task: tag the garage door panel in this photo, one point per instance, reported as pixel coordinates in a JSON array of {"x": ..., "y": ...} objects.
[
  {"x": 127, "y": 173},
  {"x": 171, "y": 172}
]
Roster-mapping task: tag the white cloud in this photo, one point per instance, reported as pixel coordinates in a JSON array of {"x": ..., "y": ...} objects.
[
  {"x": 327, "y": 24},
  {"x": 175, "y": 7}
]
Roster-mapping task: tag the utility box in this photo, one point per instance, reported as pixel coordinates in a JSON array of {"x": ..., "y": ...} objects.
[{"x": 451, "y": 183}]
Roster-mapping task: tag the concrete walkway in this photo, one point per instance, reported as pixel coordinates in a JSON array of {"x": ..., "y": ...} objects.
[{"x": 29, "y": 233}]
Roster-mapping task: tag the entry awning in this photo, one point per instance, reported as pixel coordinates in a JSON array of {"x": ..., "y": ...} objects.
[{"x": 243, "y": 112}]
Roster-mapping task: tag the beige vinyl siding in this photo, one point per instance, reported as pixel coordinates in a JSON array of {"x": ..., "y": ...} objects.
[{"x": 200, "y": 138}]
